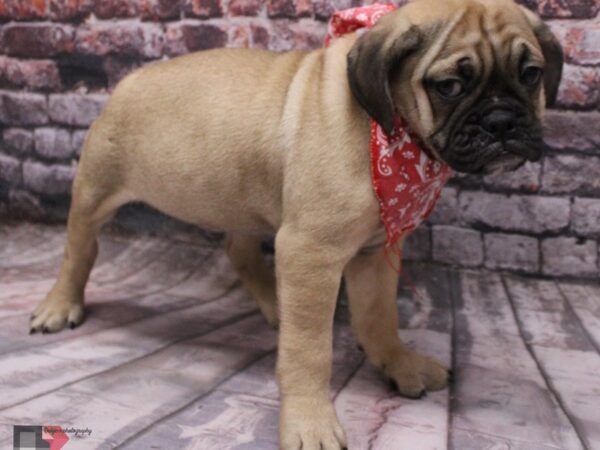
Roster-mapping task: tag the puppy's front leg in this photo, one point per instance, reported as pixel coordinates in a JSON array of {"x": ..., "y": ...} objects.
[
  {"x": 308, "y": 276},
  {"x": 371, "y": 283}
]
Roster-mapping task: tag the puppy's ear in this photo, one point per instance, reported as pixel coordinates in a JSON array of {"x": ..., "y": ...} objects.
[
  {"x": 370, "y": 63},
  {"x": 553, "y": 54}
]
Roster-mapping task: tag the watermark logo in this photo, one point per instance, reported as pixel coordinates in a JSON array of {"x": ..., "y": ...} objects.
[{"x": 47, "y": 437}]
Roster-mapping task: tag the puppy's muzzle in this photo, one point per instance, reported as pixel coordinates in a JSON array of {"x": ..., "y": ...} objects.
[{"x": 496, "y": 137}]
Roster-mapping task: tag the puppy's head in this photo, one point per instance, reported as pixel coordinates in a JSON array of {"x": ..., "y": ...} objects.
[{"x": 471, "y": 77}]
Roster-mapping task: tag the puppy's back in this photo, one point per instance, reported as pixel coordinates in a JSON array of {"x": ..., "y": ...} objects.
[
  {"x": 196, "y": 129},
  {"x": 225, "y": 91}
]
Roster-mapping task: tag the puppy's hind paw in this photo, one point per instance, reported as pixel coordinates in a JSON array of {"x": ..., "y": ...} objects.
[
  {"x": 54, "y": 314},
  {"x": 412, "y": 375}
]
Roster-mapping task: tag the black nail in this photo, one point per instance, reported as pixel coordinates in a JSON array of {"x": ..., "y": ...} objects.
[
  {"x": 450, "y": 376},
  {"x": 32, "y": 331},
  {"x": 393, "y": 384},
  {"x": 45, "y": 330},
  {"x": 360, "y": 347},
  {"x": 72, "y": 325},
  {"x": 423, "y": 394}
]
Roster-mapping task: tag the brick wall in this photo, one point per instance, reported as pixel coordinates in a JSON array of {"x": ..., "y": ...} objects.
[{"x": 60, "y": 58}]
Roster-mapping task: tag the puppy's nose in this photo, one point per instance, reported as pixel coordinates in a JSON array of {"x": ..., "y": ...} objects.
[{"x": 499, "y": 121}]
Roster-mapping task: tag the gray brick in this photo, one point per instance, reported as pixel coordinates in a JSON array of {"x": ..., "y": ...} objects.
[
  {"x": 325, "y": 8},
  {"x": 417, "y": 246},
  {"x": 579, "y": 87},
  {"x": 18, "y": 141},
  {"x": 188, "y": 36},
  {"x": 53, "y": 143},
  {"x": 580, "y": 39},
  {"x": 10, "y": 170},
  {"x": 36, "y": 40},
  {"x": 296, "y": 36},
  {"x": 572, "y": 130},
  {"x": 22, "y": 108},
  {"x": 586, "y": 216},
  {"x": 516, "y": 212},
  {"x": 157, "y": 10},
  {"x": 29, "y": 74},
  {"x": 572, "y": 173},
  {"x": 69, "y": 10},
  {"x": 511, "y": 251},
  {"x": 453, "y": 245},
  {"x": 76, "y": 109},
  {"x": 570, "y": 257},
  {"x": 446, "y": 209},
  {"x": 77, "y": 141},
  {"x": 554, "y": 9},
  {"x": 526, "y": 178},
  {"x": 126, "y": 38},
  {"x": 48, "y": 180}
]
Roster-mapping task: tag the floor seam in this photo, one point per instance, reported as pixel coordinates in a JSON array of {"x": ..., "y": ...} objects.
[
  {"x": 349, "y": 378},
  {"x": 589, "y": 337},
  {"x": 549, "y": 385},
  {"x": 191, "y": 402},
  {"x": 223, "y": 324},
  {"x": 451, "y": 390},
  {"x": 128, "y": 323}
]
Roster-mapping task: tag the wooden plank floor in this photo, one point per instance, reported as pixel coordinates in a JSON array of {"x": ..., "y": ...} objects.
[{"x": 174, "y": 354}]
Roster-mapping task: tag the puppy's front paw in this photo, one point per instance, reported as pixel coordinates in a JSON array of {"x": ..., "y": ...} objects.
[
  {"x": 56, "y": 312},
  {"x": 413, "y": 374},
  {"x": 310, "y": 423}
]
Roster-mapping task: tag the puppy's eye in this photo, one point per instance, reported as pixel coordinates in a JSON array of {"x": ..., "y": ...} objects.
[
  {"x": 450, "y": 88},
  {"x": 531, "y": 75}
]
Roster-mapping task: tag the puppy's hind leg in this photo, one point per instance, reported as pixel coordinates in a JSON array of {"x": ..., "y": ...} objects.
[
  {"x": 90, "y": 208},
  {"x": 247, "y": 259}
]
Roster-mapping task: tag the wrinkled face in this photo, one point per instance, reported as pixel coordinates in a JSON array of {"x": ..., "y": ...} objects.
[{"x": 473, "y": 83}]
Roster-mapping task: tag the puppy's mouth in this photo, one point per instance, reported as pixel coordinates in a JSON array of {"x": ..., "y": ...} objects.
[
  {"x": 476, "y": 156},
  {"x": 505, "y": 162}
]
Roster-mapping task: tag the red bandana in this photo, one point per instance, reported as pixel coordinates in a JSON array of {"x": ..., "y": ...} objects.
[{"x": 406, "y": 182}]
